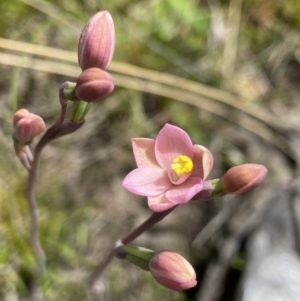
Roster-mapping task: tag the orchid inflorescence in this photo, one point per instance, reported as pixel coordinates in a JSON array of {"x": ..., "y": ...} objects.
[{"x": 171, "y": 170}]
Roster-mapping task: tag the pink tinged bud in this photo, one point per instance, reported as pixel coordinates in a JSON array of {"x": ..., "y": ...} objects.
[
  {"x": 27, "y": 125},
  {"x": 24, "y": 130},
  {"x": 172, "y": 271},
  {"x": 97, "y": 42},
  {"x": 94, "y": 85},
  {"x": 20, "y": 114},
  {"x": 243, "y": 178}
]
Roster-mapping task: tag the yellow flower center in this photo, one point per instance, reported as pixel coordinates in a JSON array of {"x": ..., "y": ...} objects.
[{"x": 182, "y": 165}]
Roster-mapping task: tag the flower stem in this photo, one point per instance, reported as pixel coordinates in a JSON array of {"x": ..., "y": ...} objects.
[
  {"x": 146, "y": 225},
  {"x": 52, "y": 133},
  {"x": 80, "y": 110}
]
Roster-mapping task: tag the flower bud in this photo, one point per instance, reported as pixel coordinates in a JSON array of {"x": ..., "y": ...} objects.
[
  {"x": 172, "y": 271},
  {"x": 97, "y": 42},
  {"x": 27, "y": 125},
  {"x": 94, "y": 85},
  {"x": 243, "y": 178},
  {"x": 20, "y": 114}
]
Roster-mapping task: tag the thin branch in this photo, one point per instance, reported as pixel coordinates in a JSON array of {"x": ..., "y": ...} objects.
[
  {"x": 146, "y": 225},
  {"x": 214, "y": 94},
  {"x": 59, "y": 128}
]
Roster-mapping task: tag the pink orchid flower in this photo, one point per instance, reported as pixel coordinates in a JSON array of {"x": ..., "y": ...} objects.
[{"x": 171, "y": 170}]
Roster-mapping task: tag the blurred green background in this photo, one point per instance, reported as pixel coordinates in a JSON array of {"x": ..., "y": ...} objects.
[{"x": 225, "y": 71}]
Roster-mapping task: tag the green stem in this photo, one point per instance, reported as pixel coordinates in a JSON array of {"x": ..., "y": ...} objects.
[
  {"x": 69, "y": 91},
  {"x": 80, "y": 109}
]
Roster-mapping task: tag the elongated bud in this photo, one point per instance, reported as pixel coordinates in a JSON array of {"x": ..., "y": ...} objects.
[
  {"x": 97, "y": 42},
  {"x": 172, "y": 270},
  {"x": 94, "y": 85},
  {"x": 243, "y": 178},
  {"x": 27, "y": 126}
]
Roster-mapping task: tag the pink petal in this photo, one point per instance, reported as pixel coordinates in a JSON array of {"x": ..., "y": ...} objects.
[
  {"x": 172, "y": 141},
  {"x": 185, "y": 192},
  {"x": 159, "y": 203},
  {"x": 206, "y": 193},
  {"x": 203, "y": 162},
  {"x": 143, "y": 149},
  {"x": 175, "y": 179},
  {"x": 147, "y": 181}
]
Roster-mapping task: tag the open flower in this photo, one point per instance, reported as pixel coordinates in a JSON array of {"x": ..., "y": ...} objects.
[{"x": 170, "y": 169}]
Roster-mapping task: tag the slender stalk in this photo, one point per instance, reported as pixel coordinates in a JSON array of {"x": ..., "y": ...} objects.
[
  {"x": 34, "y": 231},
  {"x": 33, "y": 210},
  {"x": 146, "y": 225}
]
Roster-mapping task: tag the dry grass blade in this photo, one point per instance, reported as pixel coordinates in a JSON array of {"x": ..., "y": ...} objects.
[
  {"x": 54, "y": 12},
  {"x": 232, "y": 37},
  {"x": 215, "y": 94},
  {"x": 159, "y": 88}
]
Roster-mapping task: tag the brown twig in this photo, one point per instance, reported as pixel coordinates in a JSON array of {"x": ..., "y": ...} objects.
[
  {"x": 59, "y": 128},
  {"x": 146, "y": 225}
]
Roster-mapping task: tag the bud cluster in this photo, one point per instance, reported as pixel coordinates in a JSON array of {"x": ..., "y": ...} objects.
[
  {"x": 27, "y": 126},
  {"x": 95, "y": 51}
]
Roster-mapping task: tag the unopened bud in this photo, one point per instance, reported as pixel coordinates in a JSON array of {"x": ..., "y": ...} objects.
[
  {"x": 243, "y": 178},
  {"x": 27, "y": 126},
  {"x": 94, "y": 85},
  {"x": 20, "y": 114},
  {"x": 97, "y": 42},
  {"x": 172, "y": 270}
]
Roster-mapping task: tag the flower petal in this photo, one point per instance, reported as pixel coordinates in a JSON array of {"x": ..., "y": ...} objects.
[
  {"x": 159, "y": 203},
  {"x": 206, "y": 192},
  {"x": 185, "y": 192},
  {"x": 147, "y": 181},
  {"x": 172, "y": 141},
  {"x": 203, "y": 162},
  {"x": 143, "y": 150}
]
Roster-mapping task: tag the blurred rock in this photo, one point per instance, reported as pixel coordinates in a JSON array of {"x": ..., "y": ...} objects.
[{"x": 273, "y": 265}]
